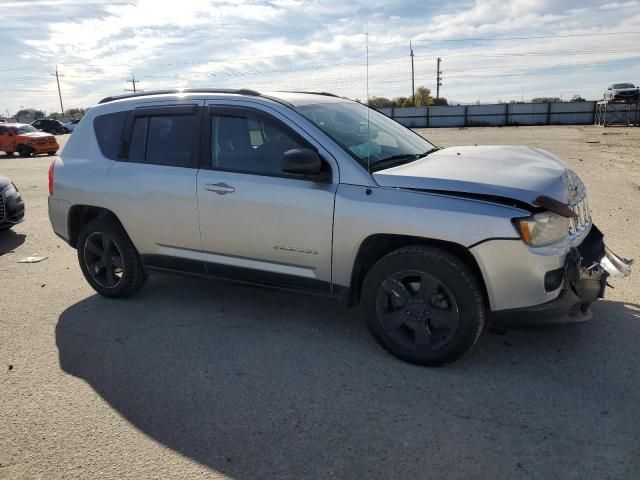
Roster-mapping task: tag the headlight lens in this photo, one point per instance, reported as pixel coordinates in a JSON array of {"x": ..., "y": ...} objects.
[{"x": 543, "y": 228}]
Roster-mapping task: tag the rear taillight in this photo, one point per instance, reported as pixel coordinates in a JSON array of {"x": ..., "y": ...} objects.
[{"x": 51, "y": 177}]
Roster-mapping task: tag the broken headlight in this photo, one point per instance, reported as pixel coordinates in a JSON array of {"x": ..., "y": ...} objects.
[{"x": 542, "y": 228}]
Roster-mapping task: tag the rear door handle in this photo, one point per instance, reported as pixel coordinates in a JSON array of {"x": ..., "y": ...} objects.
[{"x": 220, "y": 188}]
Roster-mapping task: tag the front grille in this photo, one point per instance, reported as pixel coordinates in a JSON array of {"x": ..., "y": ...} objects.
[{"x": 2, "y": 209}]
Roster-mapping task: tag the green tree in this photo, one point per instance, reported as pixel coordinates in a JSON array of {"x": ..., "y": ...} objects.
[
  {"x": 29, "y": 112},
  {"x": 400, "y": 101},
  {"x": 439, "y": 101},
  {"x": 380, "y": 102},
  {"x": 423, "y": 98},
  {"x": 75, "y": 112}
]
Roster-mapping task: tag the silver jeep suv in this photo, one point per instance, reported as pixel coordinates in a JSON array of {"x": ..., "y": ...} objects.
[{"x": 318, "y": 193}]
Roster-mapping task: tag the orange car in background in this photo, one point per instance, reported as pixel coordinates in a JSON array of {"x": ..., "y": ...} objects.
[{"x": 26, "y": 140}]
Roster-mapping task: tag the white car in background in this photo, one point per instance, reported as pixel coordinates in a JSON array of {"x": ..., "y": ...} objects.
[{"x": 622, "y": 92}]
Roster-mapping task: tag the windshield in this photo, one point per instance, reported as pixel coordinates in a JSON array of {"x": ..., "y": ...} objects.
[
  {"x": 26, "y": 129},
  {"x": 623, "y": 85},
  {"x": 383, "y": 144}
]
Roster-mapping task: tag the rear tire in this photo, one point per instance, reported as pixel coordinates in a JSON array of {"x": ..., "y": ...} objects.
[
  {"x": 9, "y": 153},
  {"x": 423, "y": 305},
  {"x": 24, "y": 151},
  {"x": 109, "y": 260}
]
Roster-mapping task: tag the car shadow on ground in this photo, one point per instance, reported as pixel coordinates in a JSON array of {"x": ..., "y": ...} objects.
[
  {"x": 256, "y": 383},
  {"x": 10, "y": 240}
]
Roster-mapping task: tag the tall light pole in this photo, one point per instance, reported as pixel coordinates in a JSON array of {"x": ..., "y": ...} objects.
[
  {"x": 438, "y": 79},
  {"x": 133, "y": 83},
  {"x": 59, "y": 92},
  {"x": 413, "y": 77}
]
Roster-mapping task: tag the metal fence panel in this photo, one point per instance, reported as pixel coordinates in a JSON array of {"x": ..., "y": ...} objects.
[
  {"x": 572, "y": 113},
  {"x": 486, "y": 115},
  {"x": 441, "y": 116},
  {"x": 565, "y": 113},
  {"x": 412, "y": 116}
]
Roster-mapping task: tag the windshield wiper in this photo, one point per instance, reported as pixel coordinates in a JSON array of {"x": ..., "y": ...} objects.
[{"x": 400, "y": 159}]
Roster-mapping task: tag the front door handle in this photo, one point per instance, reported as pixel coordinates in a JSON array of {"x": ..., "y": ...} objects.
[{"x": 220, "y": 188}]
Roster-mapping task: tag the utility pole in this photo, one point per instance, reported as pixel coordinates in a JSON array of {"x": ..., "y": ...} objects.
[
  {"x": 59, "y": 92},
  {"x": 133, "y": 84},
  {"x": 413, "y": 77},
  {"x": 438, "y": 79}
]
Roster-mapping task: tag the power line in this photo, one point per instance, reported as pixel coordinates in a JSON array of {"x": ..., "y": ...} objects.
[
  {"x": 206, "y": 75},
  {"x": 320, "y": 52}
]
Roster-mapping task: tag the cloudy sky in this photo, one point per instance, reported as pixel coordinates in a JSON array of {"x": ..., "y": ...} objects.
[{"x": 491, "y": 49}]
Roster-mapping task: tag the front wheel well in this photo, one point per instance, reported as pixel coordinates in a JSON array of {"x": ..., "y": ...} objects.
[
  {"x": 374, "y": 247},
  {"x": 80, "y": 215}
]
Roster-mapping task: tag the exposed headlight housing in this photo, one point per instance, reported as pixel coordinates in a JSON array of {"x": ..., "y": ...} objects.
[
  {"x": 31, "y": 142},
  {"x": 542, "y": 228}
]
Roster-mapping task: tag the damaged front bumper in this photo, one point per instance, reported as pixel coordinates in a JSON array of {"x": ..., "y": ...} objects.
[{"x": 586, "y": 271}]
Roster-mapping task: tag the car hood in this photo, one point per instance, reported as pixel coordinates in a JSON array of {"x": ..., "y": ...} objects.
[
  {"x": 36, "y": 134},
  {"x": 4, "y": 181},
  {"x": 520, "y": 173}
]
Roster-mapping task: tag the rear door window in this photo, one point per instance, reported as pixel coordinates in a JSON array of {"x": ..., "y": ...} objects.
[{"x": 169, "y": 140}]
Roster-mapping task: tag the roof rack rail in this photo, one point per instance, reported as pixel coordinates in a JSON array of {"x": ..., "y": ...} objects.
[
  {"x": 326, "y": 94},
  {"x": 241, "y": 91}
]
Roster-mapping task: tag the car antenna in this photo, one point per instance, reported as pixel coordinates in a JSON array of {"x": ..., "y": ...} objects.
[{"x": 367, "y": 75}]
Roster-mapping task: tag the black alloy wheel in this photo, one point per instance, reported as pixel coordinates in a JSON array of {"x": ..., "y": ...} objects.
[
  {"x": 103, "y": 259},
  {"x": 424, "y": 305},
  {"x": 109, "y": 261},
  {"x": 417, "y": 310}
]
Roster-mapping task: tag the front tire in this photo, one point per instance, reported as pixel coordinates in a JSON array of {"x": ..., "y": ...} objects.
[
  {"x": 423, "y": 305},
  {"x": 109, "y": 261}
]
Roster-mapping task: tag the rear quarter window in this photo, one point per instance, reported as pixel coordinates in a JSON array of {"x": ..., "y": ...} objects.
[{"x": 108, "y": 130}]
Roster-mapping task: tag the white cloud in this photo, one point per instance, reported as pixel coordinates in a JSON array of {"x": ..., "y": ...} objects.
[
  {"x": 315, "y": 45},
  {"x": 620, "y": 5}
]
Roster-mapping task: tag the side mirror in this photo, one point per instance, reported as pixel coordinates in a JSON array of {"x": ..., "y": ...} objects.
[{"x": 302, "y": 161}]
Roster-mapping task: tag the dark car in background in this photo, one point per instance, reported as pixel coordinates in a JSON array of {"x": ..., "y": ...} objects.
[
  {"x": 50, "y": 126},
  {"x": 11, "y": 204}
]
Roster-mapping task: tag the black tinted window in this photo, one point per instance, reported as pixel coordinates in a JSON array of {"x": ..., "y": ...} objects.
[
  {"x": 251, "y": 143},
  {"x": 172, "y": 140},
  {"x": 169, "y": 140},
  {"x": 108, "y": 132}
]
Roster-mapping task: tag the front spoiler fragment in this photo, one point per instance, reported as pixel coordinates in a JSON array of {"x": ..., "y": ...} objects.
[{"x": 614, "y": 265}]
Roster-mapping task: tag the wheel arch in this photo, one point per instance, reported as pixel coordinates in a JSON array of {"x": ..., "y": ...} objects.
[
  {"x": 80, "y": 215},
  {"x": 376, "y": 246}
]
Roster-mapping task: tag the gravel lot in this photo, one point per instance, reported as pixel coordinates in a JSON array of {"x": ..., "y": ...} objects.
[{"x": 202, "y": 379}]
